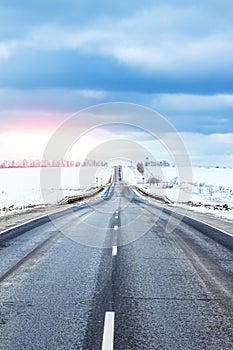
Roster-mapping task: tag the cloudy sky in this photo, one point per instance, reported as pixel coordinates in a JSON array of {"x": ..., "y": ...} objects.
[{"x": 59, "y": 56}]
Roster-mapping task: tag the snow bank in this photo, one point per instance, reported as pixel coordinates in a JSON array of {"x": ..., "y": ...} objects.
[{"x": 20, "y": 188}]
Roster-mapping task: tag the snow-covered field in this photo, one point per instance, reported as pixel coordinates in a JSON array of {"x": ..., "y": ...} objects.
[
  {"x": 210, "y": 187},
  {"x": 21, "y": 187}
]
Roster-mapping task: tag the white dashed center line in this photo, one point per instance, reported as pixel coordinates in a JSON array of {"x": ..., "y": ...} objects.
[
  {"x": 114, "y": 250},
  {"x": 108, "y": 336}
]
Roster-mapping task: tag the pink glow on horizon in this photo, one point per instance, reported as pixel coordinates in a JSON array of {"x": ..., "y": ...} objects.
[
  {"x": 29, "y": 121},
  {"x": 20, "y": 145},
  {"x": 25, "y": 134}
]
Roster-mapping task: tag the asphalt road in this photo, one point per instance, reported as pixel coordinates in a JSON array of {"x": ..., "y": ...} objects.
[{"x": 136, "y": 286}]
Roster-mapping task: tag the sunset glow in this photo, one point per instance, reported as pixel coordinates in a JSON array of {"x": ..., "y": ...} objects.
[
  {"x": 55, "y": 63},
  {"x": 20, "y": 145}
]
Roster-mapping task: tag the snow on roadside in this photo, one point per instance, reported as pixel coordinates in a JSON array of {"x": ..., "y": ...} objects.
[
  {"x": 20, "y": 188},
  {"x": 211, "y": 190},
  {"x": 211, "y": 187}
]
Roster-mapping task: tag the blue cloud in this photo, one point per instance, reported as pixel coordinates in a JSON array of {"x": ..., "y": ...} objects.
[
  {"x": 77, "y": 70},
  {"x": 17, "y": 17},
  {"x": 144, "y": 47},
  {"x": 130, "y": 50}
]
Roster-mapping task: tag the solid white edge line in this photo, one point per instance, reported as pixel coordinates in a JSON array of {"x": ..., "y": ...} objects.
[
  {"x": 108, "y": 335},
  {"x": 35, "y": 218},
  {"x": 207, "y": 224},
  {"x": 114, "y": 250},
  {"x": 24, "y": 223},
  {"x": 203, "y": 222},
  {"x": 31, "y": 220}
]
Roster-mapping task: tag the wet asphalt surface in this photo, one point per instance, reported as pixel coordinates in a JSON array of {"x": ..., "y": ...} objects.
[{"x": 168, "y": 290}]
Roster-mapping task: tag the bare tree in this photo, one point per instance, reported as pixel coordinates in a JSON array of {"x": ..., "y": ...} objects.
[
  {"x": 140, "y": 168},
  {"x": 153, "y": 180},
  {"x": 211, "y": 190},
  {"x": 201, "y": 184}
]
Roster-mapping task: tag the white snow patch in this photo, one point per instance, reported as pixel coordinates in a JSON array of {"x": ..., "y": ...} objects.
[
  {"x": 21, "y": 187},
  {"x": 210, "y": 186}
]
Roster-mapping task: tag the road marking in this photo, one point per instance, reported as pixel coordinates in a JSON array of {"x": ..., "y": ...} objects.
[
  {"x": 212, "y": 226},
  {"x": 198, "y": 220},
  {"x": 84, "y": 216},
  {"x": 114, "y": 250},
  {"x": 108, "y": 336},
  {"x": 27, "y": 222},
  {"x": 116, "y": 211},
  {"x": 116, "y": 216},
  {"x": 37, "y": 218},
  {"x": 116, "y": 227}
]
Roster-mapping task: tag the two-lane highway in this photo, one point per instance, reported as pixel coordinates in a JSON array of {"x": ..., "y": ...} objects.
[{"x": 134, "y": 287}]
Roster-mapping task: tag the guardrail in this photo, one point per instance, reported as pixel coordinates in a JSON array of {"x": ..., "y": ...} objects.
[
  {"x": 163, "y": 199},
  {"x": 80, "y": 197}
]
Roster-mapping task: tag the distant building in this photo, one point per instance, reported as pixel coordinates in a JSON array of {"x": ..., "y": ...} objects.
[
  {"x": 159, "y": 163},
  {"x": 37, "y": 163}
]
